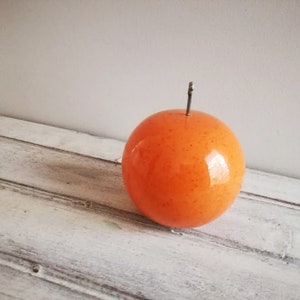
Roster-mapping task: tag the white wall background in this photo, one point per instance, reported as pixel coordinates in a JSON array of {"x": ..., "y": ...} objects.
[{"x": 102, "y": 66}]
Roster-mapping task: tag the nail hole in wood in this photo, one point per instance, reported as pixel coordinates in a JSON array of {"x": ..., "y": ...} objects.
[
  {"x": 35, "y": 269},
  {"x": 88, "y": 204}
]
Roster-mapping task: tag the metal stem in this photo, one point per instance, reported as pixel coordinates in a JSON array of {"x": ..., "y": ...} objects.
[{"x": 189, "y": 101}]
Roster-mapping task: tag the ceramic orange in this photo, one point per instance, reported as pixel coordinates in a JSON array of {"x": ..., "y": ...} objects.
[{"x": 182, "y": 170}]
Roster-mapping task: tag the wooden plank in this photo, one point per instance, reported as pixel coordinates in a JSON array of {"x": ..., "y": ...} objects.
[
  {"x": 256, "y": 182},
  {"x": 260, "y": 229},
  {"x": 63, "y": 173},
  {"x": 256, "y": 226},
  {"x": 63, "y": 139},
  {"x": 16, "y": 285},
  {"x": 274, "y": 187},
  {"x": 139, "y": 260}
]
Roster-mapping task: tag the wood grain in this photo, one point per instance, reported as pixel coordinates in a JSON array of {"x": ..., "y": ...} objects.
[
  {"x": 15, "y": 284},
  {"x": 69, "y": 231},
  {"x": 134, "y": 259},
  {"x": 63, "y": 139},
  {"x": 248, "y": 224},
  {"x": 272, "y": 186}
]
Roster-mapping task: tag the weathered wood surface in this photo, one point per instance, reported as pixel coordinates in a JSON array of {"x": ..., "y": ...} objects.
[
  {"x": 113, "y": 253},
  {"x": 19, "y": 281},
  {"x": 248, "y": 223},
  {"x": 256, "y": 182},
  {"x": 65, "y": 214}
]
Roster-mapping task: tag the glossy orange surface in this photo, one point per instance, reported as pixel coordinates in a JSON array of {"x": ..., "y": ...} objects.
[{"x": 182, "y": 171}]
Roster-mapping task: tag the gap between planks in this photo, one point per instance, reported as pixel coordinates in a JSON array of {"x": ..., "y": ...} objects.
[
  {"x": 76, "y": 283},
  {"x": 95, "y": 207}
]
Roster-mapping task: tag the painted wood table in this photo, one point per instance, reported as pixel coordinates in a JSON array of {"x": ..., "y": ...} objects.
[{"x": 68, "y": 230}]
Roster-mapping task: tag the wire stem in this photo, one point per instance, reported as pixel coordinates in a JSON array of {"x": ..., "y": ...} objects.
[{"x": 189, "y": 101}]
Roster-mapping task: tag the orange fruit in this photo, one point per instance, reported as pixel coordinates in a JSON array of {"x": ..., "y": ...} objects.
[{"x": 182, "y": 171}]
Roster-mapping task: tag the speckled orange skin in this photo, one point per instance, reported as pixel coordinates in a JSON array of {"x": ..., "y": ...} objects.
[{"x": 182, "y": 171}]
